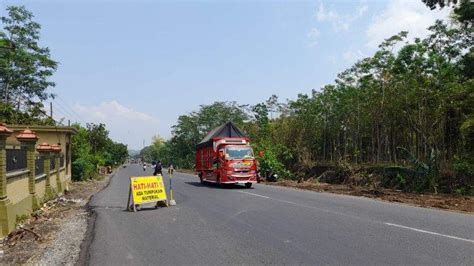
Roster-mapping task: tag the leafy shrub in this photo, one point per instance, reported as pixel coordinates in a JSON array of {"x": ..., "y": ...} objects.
[
  {"x": 83, "y": 169},
  {"x": 269, "y": 161}
]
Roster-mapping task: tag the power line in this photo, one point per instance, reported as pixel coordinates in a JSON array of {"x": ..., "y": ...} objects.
[
  {"x": 67, "y": 107},
  {"x": 68, "y": 113},
  {"x": 60, "y": 114},
  {"x": 21, "y": 97},
  {"x": 59, "y": 107},
  {"x": 46, "y": 114},
  {"x": 61, "y": 99},
  {"x": 61, "y": 111}
]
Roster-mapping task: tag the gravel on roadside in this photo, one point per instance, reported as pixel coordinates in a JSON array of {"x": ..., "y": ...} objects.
[
  {"x": 65, "y": 250},
  {"x": 53, "y": 234}
]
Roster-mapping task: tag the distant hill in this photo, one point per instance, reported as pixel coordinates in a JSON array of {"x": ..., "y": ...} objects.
[{"x": 133, "y": 152}]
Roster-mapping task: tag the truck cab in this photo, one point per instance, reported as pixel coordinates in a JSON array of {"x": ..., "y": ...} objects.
[{"x": 237, "y": 165}]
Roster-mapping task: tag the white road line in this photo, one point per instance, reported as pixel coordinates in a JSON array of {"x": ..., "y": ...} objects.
[
  {"x": 265, "y": 197},
  {"x": 306, "y": 206},
  {"x": 344, "y": 214},
  {"x": 431, "y": 233}
]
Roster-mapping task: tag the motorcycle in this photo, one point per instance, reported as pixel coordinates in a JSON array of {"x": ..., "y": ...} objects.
[{"x": 266, "y": 175}]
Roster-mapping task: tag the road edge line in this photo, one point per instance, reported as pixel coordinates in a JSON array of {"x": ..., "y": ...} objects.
[
  {"x": 253, "y": 194},
  {"x": 430, "y": 232}
]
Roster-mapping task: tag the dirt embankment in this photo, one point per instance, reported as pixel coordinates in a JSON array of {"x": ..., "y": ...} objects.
[
  {"x": 53, "y": 234},
  {"x": 440, "y": 201}
]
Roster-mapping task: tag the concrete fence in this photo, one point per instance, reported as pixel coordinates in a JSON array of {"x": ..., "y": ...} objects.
[{"x": 35, "y": 166}]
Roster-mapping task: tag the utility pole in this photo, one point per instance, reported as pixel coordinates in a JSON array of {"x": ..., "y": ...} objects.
[{"x": 51, "y": 110}]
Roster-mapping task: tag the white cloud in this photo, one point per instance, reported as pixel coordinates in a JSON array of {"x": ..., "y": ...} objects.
[
  {"x": 326, "y": 15},
  {"x": 362, "y": 9},
  {"x": 402, "y": 15},
  {"x": 352, "y": 56},
  {"x": 313, "y": 36},
  {"x": 125, "y": 124},
  {"x": 112, "y": 109},
  {"x": 340, "y": 22}
]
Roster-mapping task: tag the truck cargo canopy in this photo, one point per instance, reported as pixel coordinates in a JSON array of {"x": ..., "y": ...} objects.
[{"x": 227, "y": 130}]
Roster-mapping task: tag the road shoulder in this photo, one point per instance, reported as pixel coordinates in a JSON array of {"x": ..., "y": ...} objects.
[{"x": 53, "y": 234}]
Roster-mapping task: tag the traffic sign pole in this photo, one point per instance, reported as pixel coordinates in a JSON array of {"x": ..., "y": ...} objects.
[{"x": 172, "y": 201}]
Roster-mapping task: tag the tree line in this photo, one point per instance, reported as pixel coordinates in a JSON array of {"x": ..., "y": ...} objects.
[
  {"x": 91, "y": 148},
  {"x": 404, "y": 114}
]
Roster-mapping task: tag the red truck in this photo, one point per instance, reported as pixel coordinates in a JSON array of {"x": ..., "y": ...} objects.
[{"x": 225, "y": 156}]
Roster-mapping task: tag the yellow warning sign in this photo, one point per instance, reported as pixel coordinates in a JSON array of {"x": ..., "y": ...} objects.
[{"x": 147, "y": 189}]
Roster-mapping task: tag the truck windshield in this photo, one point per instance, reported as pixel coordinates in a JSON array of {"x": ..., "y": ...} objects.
[{"x": 238, "y": 153}]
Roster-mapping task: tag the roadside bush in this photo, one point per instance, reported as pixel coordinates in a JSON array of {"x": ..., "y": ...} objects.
[
  {"x": 269, "y": 161},
  {"x": 464, "y": 176},
  {"x": 92, "y": 147},
  {"x": 83, "y": 169}
]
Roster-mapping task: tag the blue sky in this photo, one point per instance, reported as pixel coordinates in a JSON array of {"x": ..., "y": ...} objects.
[{"x": 138, "y": 65}]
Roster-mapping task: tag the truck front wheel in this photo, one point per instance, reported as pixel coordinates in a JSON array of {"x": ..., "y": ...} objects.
[{"x": 248, "y": 185}]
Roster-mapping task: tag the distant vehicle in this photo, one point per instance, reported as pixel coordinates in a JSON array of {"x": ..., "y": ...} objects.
[{"x": 225, "y": 156}]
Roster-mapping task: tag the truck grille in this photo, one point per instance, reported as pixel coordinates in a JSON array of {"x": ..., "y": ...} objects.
[{"x": 241, "y": 171}]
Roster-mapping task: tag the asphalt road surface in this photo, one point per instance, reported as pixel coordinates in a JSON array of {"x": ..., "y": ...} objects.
[{"x": 271, "y": 225}]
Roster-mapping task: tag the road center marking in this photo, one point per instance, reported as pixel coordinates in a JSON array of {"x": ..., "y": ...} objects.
[
  {"x": 253, "y": 194},
  {"x": 431, "y": 233}
]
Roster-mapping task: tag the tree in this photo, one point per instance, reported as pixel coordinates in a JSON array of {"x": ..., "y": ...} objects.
[
  {"x": 98, "y": 137},
  {"x": 463, "y": 9},
  {"x": 91, "y": 148},
  {"x": 261, "y": 117},
  {"x": 115, "y": 153},
  {"x": 26, "y": 66},
  {"x": 432, "y": 4}
]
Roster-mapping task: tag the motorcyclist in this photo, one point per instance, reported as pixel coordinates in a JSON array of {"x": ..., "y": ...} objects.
[{"x": 158, "y": 169}]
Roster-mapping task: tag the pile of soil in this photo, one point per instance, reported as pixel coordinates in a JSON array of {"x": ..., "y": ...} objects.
[
  {"x": 35, "y": 234},
  {"x": 441, "y": 201}
]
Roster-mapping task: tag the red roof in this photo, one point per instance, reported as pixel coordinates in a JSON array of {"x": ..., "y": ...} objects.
[
  {"x": 4, "y": 130},
  {"x": 44, "y": 147},
  {"x": 27, "y": 135}
]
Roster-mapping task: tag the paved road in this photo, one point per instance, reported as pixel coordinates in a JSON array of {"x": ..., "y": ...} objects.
[{"x": 272, "y": 225}]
